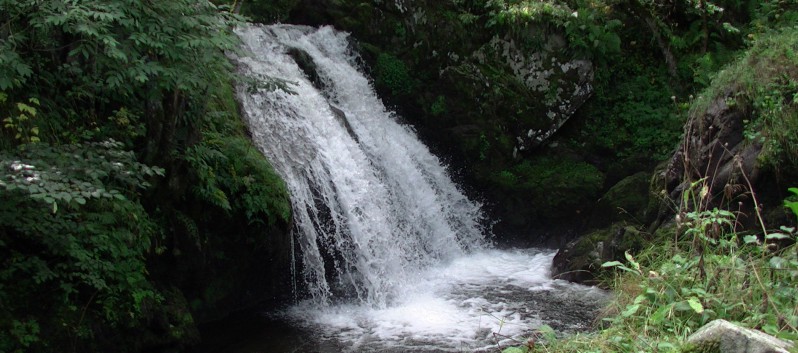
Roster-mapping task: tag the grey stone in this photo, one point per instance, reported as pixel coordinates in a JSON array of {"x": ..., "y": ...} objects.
[{"x": 730, "y": 338}]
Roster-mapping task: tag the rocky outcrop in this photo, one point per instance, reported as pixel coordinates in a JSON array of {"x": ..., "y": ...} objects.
[
  {"x": 723, "y": 336},
  {"x": 551, "y": 85},
  {"x": 715, "y": 149}
]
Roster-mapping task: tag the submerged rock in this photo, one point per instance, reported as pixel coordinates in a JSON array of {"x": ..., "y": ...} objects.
[{"x": 723, "y": 336}]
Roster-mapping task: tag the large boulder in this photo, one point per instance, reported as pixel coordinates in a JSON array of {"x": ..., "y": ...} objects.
[
  {"x": 739, "y": 144},
  {"x": 724, "y": 337},
  {"x": 534, "y": 92}
]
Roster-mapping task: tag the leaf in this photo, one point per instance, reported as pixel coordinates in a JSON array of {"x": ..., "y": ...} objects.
[
  {"x": 666, "y": 346},
  {"x": 661, "y": 313},
  {"x": 751, "y": 239},
  {"x": 612, "y": 264},
  {"x": 777, "y": 262},
  {"x": 630, "y": 310},
  {"x": 695, "y": 304},
  {"x": 771, "y": 236},
  {"x": 513, "y": 350},
  {"x": 618, "y": 265}
]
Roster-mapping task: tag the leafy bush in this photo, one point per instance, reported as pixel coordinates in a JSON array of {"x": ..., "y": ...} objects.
[
  {"x": 591, "y": 33},
  {"x": 73, "y": 245},
  {"x": 393, "y": 74},
  {"x": 267, "y": 11},
  {"x": 103, "y": 69},
  {"x": 234, "y": 176},
  {"x": 634, "y": 112},
  {"x": 703, "y": 271}
]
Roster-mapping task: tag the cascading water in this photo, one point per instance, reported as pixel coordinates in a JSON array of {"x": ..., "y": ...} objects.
[{"x": 391, "y": 253}]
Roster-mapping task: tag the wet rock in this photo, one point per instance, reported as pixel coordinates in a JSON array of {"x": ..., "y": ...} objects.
[
  {"x": 723, "y": 336},
  {"x": 308, "y": 67}
]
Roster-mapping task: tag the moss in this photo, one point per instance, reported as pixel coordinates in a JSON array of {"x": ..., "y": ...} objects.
[
  {"x": 627, "y": 200},
  {"x": 587, "y": 244},
  {"x": 703, "y": 347},
  {"x": 559, "y": 183},
  {"x": 438, "y": 107},
  {"x": 545, "y": 188}
]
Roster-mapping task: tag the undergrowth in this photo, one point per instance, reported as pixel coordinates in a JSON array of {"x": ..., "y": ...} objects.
[{"x": 707, "y": 271}]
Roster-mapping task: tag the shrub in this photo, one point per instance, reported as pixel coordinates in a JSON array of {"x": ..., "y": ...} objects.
[
  {"x": 73, "y": 245},
  {"x": 393, "y": 74}
]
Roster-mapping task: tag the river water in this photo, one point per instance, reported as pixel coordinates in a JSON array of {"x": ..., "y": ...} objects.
[{"x": 390, "y": 255}]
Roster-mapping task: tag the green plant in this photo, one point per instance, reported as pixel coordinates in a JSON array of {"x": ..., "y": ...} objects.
[
  {"x": 264, "y": 11},
  {"x": 86, "y": 60},
  {"x": 21, "y": 122},
  {"x": 235, "y": 177},
  {"x": 792, "y": 205},
  {"x": 591, "y": 33},
  {"x": 74, "y": 244},
  {"x": 438, "y": 107},
  {"x": 393, "y": 74}
]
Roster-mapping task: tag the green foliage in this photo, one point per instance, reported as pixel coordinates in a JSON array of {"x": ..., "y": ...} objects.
[
  {"x": 591, "y": 33},
  {"x": 266, "y": 11},
  {"x": 684, "y": 290},
  {"x": 768, "y": 15},
  {"x": 438, "y": 106},
  {"x": 21, "y": 121},
  {"x": 791, "y": 204},
  {"x": 96, "y": 81},
  {"x": 705, "y": 272},
  {"x": 73, "y": 244},
  {"x": 393, "y": 74},
  {"x": 551, "y": 183},
  {"x": 634, "y": 112},
  {"x": 235, "y": 177},
  {"x": 86, "y": 60}
]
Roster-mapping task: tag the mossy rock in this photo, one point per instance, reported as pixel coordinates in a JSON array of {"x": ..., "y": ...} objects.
[
  {"x": 626, "y": 201},
  {"x": 580, "y": 260}
]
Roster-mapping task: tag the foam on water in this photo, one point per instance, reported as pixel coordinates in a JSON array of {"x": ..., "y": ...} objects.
[{"x": 471, "y": 303}]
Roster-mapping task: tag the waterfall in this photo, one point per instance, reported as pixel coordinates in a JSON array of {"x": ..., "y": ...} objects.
[{"x": 372, "y": 206}]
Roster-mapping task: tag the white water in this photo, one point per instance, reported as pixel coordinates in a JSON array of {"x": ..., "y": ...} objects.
[{"x": 391, "y": 253}]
